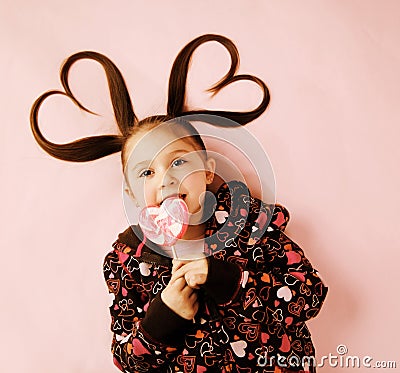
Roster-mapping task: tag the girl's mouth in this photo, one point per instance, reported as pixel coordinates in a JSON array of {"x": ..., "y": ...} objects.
[{"x": 175, "y": 195}]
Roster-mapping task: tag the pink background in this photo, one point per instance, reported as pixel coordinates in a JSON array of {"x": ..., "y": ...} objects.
[{"x": 331, "y": 132}]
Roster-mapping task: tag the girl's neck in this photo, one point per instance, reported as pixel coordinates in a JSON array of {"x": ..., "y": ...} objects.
[{"x": 195, "y": 232}]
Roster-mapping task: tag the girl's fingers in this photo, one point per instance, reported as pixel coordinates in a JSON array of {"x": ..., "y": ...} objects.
[
  {"x": 184, "y": 268},
  {"x": 179, "y": 283},
  {"x": 176, "y": 264},
  {"x": 191, "y": 280},
  {"x": 193, "y": 275},
  {"x": 188, "y": 292},
  {"x": 179, "y": 273},
  {"x": 194, "y": 279},
  {"x": 174, "y": 278}
]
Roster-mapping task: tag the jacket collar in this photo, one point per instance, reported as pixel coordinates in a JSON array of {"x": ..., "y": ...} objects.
[{"x": 235, "y": 211}]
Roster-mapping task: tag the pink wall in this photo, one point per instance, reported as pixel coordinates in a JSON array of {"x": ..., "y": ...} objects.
[{"x": 331, "y": 132}]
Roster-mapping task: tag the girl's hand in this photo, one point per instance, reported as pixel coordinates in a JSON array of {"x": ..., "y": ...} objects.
[
  {"x": 181, "y": 298},
  {"x": 194, "y": 272},
  {"x": 176, "y": 264}
]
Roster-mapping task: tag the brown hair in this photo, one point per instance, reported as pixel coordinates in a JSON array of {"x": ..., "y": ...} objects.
[{"x": 94, "y": 147}]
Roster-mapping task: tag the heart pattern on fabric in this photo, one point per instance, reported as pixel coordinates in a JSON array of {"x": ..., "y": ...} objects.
[
  {"x": 275, "y": 294},
  {"x": 165, "y": 224},
  {"x": 221, "y": 216},
  {"x": 285, "y": 293},
  {"x": 239, "y": 348}
]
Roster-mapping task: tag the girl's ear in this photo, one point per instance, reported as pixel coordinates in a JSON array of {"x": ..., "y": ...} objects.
[
  {"x": 130, "y": 194},
  {"x": 210, "y": 170}
]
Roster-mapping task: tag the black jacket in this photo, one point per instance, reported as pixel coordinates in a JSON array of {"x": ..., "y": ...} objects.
[{"x": 259, "y": 293}]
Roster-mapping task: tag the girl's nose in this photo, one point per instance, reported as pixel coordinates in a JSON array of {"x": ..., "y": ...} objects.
[{"x": 168, "y": 180}]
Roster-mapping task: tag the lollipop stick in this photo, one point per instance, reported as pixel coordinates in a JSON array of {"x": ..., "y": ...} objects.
[{"x": 174, "y": 252}]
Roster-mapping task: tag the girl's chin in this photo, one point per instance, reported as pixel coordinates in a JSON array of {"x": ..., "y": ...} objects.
[{"x": 195, "y": 216}]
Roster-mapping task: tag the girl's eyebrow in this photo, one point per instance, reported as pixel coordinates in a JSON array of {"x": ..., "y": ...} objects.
[
  {"x": 179, "y": 151},
  {"x": 140, "y": 164},
  {"x": 146, "y": 162}
]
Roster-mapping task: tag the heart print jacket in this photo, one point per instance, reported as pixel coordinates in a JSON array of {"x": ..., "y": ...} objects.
[{"x": 259, "y": 293}]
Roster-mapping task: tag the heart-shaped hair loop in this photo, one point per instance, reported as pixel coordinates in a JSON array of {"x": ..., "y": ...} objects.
[
  {"x": 176, "y": 105},
  {"x": 82, "y": 150},
  {"x": 121, "y": 101},
  {"x": 89, "y": 148}
]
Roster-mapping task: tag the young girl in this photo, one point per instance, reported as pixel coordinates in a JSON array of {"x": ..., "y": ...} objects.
[{"x": 243, "y": 304}]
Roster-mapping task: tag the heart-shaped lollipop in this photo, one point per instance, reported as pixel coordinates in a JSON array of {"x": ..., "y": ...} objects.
[{"x": 165, "y": 224}]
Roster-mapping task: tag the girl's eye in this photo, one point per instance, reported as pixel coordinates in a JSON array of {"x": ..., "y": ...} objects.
[
  {"x": 145, "y": 173},
  {"x": 178, "y": 162}
]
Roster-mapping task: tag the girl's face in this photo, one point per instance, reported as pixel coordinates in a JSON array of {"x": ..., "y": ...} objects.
[{"x": 161, "y": 165}]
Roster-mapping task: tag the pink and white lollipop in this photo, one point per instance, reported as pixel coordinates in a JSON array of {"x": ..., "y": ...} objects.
[{"x": 165, "y": 224}]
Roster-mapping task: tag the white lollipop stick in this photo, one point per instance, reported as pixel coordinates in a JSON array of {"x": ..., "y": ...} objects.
[{"x": 174, "y": 254}]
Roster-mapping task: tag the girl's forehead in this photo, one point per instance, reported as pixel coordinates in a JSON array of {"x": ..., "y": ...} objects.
[{"x": 153, "y": 144}]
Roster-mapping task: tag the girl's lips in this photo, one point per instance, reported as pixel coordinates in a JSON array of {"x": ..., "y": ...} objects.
[{"x": 176, "y": 195}]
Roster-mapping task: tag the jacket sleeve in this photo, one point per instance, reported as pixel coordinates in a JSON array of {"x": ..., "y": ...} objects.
[
  {"x": 138, "y": 344},
  {"x": 270, "y": 278},
  {"x": 284, "y": 287}
]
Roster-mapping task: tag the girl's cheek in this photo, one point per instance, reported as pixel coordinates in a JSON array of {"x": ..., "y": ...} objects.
[
  {"x": 148, "y": 200},
  {"x": 196, "y": 179}
]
